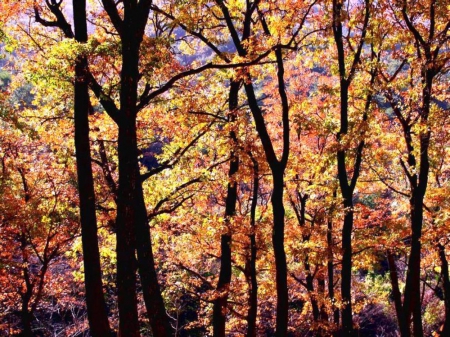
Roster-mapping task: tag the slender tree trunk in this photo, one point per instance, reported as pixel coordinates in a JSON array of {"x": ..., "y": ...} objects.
[
  {"x": 321, "y": 292},
  {"x": 445, "y": 331},
  {"x": 154, "y": 302},
  {"x": 220, "y": 303},
  {"x": 330, "y": 269},
  {"x": 347, "y": 228},
  {"x": 277, "y": 166},
  {"x": 418, "y": 183},
  {"x": 95, "y": 301},
  {"x": 253, "y": 295},
  {"x": 412, "y": 303},
  {"x": 347, "y": 185},
  {"x": 310, "y": 288},
  {"x": 309, "y": 276},
  {"x": 404, "y": 329},
  {"x": 346, "y": 273},
  {"x": 27, "y": 316},
  {"x": 280, "y": 255}
]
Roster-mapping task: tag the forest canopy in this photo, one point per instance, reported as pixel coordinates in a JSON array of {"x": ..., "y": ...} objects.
[{"x": 224, "y": 168}]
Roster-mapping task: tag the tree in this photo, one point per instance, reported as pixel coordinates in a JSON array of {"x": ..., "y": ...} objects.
[
  {"x": 95, "y": 302},
  {"x": 427, "y": 42}
]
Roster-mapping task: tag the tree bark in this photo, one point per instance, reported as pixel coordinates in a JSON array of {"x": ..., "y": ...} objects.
[{"x": 95, "y": 301}]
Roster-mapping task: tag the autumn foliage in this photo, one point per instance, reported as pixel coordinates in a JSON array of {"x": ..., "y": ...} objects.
[{"x": 224, "y": 168}]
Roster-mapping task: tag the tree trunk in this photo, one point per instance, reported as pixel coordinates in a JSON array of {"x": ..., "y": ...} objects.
[
  {"x": 321, "y": 292},
  {"x": 220, "y": 303},
  {"x": 280, "y": 255},
  {"x": 95, "y": 301},
  {"x": 129, "y": 180},
  {"x": 310, "y": 288},
  {"x": 330, "y": 269},
  {"x": 125, "y": 225},
  {"x": 412, "y": 301},
  {"x": 445, "y": 331},
  {"x": 346, "y": 273},
  {"x": 253, "y": 295},
  {"x": 27, "y": 318},
  {"x": 404, "y": 329},
  {"x": 154, "y": 302}
]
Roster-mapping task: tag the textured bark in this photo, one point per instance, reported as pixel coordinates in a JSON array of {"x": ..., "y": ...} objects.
[
  {"x": 95, "y": 302},
  {"x": 220, "y": 303}
]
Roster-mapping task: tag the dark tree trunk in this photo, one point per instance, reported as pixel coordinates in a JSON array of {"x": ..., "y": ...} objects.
[
  {"x": 418, "y": 186},
  {"x": 27, "y": 318},
  {"x": 330, "y": 269},
  {"x": 220, "y": 303},
  {"x": 253, "y": 284},
  {"x": 133, "y": 232},
  {"x": 125, "y": 226},
  {"x": 280, "y": 255},
  {"x": 445, "y": 330},
  {"x": 309, "y": 276},
  {"x": 321, "y": 292},
  {"x": 129, "y": 181},
  {"x": 277, "y": 166},
  {"x": 412, "y": 303},
  {"x": 347, "y": 185},
  {"x": 346, "y": 273},
  {"x": 404, "y": 329},
  {"x": 95, "y": 301},
  {"x": 310, "y": 288},
  {"x": 154, "y": 302}
]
